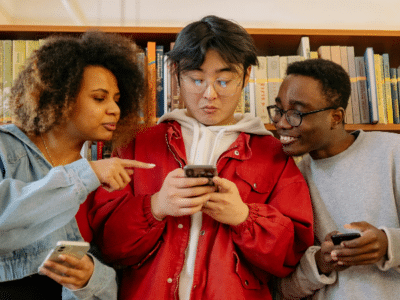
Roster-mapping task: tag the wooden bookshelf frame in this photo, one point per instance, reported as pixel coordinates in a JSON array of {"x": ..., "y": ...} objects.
[{"x": 269, "y": 42}]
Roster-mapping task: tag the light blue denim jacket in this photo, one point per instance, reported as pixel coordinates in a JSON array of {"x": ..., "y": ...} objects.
[{"x": 38, "y": 204}]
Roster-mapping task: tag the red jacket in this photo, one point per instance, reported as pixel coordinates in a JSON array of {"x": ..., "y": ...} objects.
[{"x": 232, "y": 262}]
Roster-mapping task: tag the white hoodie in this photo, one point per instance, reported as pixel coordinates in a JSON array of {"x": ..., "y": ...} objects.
[{"x": 204, "y": 145}]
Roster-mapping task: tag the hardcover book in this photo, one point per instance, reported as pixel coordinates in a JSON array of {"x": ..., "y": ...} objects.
[{"x": 371, "y": 84}]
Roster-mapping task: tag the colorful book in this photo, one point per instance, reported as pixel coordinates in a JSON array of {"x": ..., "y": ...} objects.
[
  {"x": 274, "y": 80},
  {"x": 354, "y": 98},
  {"x": 167, "y": 86},
  {"x": 7, "y": 79},
  {"x": 18, "y": 57},
  {"x": 387, "y": 87},
  {"x": 152, "y": 82},
  {"x": 175, "y": 92},
  {"x": 304, "y": 47},
  {"x": 362, "y": 89},
  {"x": 260, "y": 73},
  {"x": 371, "y": 84},
  {"x": 313, "y": 54},
  {"x": 335, "y": 55},
  {"x": 395, "y": 96},
  {"x": 1, "y": 82},
  {"x": 252, "y": 92},
  {"x": 379, "y": 89},
  {"x": 31, "y": 45},
  {"x": 99, "y": 148},
  {"x": 352, "y": 115},
  {"x": 324, "y": 52},
  {"x": 160, "y": 80},
  {"x": 141, "y": 59}
]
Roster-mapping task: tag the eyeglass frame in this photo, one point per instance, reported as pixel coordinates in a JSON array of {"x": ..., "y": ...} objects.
[
  {"x": 301, "y": 114},
  {"x": 241, "y": 80}
]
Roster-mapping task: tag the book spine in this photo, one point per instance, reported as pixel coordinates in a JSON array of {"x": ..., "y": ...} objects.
[
  {"x": 395, "y": 96},
  {"x": 261, "y": 89},
  {"x": 304, "y": 47},
  {"x": 160, "y": 80},
  {"x": 324, "y": 52},
  {"x": 152, "y": 82},
  {"x": 362, "y": 89},
  {"x": 371, "y": 84},
  {"x": 1, "y": 82},
  {"x": 352, "y": 110},
  {"x": 387, "y": 87},
  {"x": 252, "y": 92},
  {"x": 99, "y": 148},
  {"x": 167, "y": 86},
  {"x": 273, "y": 78},
  {"x": 175, "y": 92},
  {"x": 7, "y": 79},
  {"x": 379, "y": 88}
]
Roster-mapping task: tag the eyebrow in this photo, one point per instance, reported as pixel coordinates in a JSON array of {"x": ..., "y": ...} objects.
[
  {"x": 293, "y": 102},
  {"x": 105, "y": 91},
  {"x": 227, "y": 69}
]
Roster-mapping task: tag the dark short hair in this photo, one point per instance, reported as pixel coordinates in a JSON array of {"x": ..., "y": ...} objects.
[
  {"x": 47, "y": 87},
  {"x": 335, "y": 81},
  {"x": 229, "y": 39}
]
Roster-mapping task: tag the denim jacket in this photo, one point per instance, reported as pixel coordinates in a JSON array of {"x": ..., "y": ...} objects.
[{"x": 38, "y": 204}]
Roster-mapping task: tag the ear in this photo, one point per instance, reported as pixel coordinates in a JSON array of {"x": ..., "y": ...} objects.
[
  {"x": 337, "y": 117},
  {"x": 247, "y": 76}
]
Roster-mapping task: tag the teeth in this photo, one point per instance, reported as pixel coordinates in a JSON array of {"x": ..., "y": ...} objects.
[{"x": 287, "y": 139}]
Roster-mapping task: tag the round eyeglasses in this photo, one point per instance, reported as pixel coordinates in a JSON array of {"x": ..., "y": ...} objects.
[
  {"x": 293, "y": 117},
  {"x": 223, "y": 87}
]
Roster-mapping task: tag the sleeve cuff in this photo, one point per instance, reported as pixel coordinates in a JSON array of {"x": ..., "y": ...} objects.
[
  {"x": 102, "y": 284},
  {"x": 83, "y": 173},
  {"x": 393, "y": 256}
]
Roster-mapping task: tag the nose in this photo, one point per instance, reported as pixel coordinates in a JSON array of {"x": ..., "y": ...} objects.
[
  {"x": 283, "y": 123},
  {"x": 113, "y": 108},
  {"x": 210, "y": 93}
]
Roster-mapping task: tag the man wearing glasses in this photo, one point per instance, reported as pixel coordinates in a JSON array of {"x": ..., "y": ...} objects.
[
  {"x": 183, "y": 239},
  {"x": 354, "y": 181}
]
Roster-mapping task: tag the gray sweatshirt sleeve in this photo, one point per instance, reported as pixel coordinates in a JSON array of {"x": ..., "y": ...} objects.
[
  {"x": 30, "y": 211},
  {"x": 305, "y": 280},
  {"x": 393, "y": 261},
  {"x": 101, "y": 286}
]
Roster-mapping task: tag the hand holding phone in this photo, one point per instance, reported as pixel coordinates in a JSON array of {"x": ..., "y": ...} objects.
[
  {"x": 338, "y": 238},
  {"x": 75, "y": 249},
  {"x": 207, "y": 171}
]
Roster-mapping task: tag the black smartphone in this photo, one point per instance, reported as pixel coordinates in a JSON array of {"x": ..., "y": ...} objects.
[
  {"x": 338, "y": 238},
  {"x": 207, "y": 171}
]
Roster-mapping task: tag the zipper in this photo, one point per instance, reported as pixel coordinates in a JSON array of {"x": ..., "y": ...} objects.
[{"x": 169, "y": 148}]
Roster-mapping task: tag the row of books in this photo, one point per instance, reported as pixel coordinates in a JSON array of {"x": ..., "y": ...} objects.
[
  {"x": 375, "y": 87},
  {"x": 93, "y": 151},
  {"x": 13, "y": 54}
]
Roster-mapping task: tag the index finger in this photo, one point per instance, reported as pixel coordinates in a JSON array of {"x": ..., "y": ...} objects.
[{"x": 128, "y": 163}]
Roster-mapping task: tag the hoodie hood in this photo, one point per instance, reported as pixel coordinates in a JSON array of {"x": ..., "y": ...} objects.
[{"x": 204, "y": 144}]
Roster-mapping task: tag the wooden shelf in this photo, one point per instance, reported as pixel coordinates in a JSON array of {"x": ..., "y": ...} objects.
[{"x": 268, "y": 41}]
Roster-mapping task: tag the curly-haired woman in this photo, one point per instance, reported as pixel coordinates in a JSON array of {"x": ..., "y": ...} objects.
[{"x": 70, "y": 91}]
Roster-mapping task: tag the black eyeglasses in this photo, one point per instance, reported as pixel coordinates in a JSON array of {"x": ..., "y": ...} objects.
[{"x": 293, "y": 117}]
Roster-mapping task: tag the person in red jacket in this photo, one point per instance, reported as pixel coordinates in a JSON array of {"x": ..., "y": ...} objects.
[{"x": 178, "y": 238}]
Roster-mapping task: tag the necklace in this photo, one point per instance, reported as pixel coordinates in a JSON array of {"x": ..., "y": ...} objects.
[{"x": 47, "y": 151}]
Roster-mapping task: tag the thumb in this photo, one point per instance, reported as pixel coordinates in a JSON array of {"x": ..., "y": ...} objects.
[
  {"x": 360, "y": 226},
  {"x": 127, "y": 163},
  {"x": 222, "y": 183}
]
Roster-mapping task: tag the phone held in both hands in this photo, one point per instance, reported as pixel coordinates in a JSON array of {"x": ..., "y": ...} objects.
[
  {"x": 338, "y": 238},
  {"x": 75, "y": 249},
  {"x": 207, "y": 171}
]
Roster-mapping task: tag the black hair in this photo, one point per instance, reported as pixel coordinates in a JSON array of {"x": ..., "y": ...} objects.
[
  {"x": 47, "y": 87},
  {"x": 230, "y": 40},
  {"x": 335, "y": 82}
]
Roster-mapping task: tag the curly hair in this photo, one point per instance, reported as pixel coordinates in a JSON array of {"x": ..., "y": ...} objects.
[
  {"x": 229, "y": 39},
  {"x": 46, "y": 89},
  {"x": 335, "y": 81}
]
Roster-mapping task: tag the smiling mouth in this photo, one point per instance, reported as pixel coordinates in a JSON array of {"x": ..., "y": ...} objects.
[{"x": 285, "y": 140}]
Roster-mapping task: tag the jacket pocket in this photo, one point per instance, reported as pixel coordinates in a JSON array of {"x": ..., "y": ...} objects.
[
  {"x": 148, "y": 256},
  {"x": 248, "y": 279}
]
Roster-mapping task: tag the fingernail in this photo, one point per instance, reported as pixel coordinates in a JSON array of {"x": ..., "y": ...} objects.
[
  {"x": 340, "y": 263},
  {"x": 151, "y": 165},
  {"x": 62, "y": 257}
]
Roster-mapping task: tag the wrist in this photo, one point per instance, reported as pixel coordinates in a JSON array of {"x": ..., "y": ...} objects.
[
  {"x": 322, "y": 266},
  {"x": 157, "y": 216}
]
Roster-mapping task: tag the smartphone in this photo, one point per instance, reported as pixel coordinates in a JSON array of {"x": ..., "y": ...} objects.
[
  {"x": 207, "y": 171},
  {"x": 338, "y": 238},
  {"x": 75, "y": 249}
]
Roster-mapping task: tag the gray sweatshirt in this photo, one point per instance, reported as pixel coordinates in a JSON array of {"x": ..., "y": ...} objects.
[{"x": 361, "y": 183}]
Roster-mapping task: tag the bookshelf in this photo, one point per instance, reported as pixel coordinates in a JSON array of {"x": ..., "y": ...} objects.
[{"x": 268, "y": 41}]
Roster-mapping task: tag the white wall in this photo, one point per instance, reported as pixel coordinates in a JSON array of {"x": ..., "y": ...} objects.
[{"x": 320, "y": 14}]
